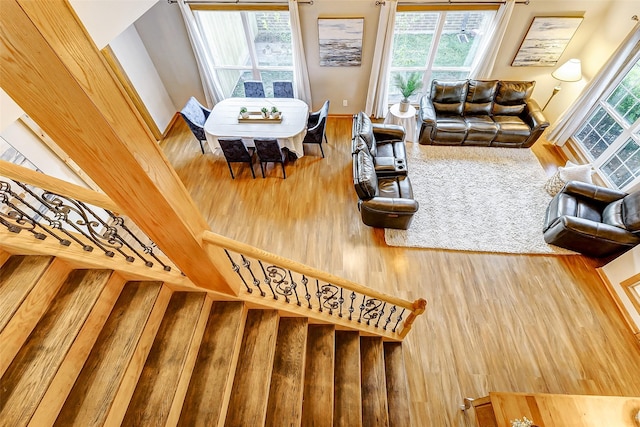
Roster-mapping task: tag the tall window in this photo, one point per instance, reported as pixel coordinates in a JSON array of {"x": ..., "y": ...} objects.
[
  {"x": 436, "y": 44},
  {"x": 610, "y": 138},
  {"x": 248, "y": 45}
]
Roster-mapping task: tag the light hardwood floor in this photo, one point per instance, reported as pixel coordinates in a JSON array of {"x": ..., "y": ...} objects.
[{"x": 494, "y": 322}]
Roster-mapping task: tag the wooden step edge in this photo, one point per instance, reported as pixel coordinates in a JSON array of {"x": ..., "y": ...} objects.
[
  {"x": 319, "y": 392},
  {"x": 287, "y": 376},
  {"x": 59, "y": 389},
  {"x": 397, "y": 386},
  {"x": 30, "y": 311},
  {"x": 228, "y": 388},
  {"x": 189, "y": 363},
  {"x": 257, "y": 398},
  {"x": 375, "y": 408},
  {"x": 129, "y": 381},
  {"x": 347, "y": 407}
]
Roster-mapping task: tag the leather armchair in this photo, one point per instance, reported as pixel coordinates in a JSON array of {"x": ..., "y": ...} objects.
[
  {"x": 593, "y": 220},
  {"x": 385, "y": 143},
  {"x": 385, "y": 202}
]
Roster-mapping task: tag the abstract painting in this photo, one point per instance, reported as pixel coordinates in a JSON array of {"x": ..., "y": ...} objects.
[
  {"x": 545, "y": 41},
  {"x": 340, "y": 41}
]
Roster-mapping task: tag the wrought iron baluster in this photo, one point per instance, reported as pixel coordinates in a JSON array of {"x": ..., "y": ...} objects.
[
  {"x": 61, "y": 211},
  {"x": 247, "y": 264},
  {"x": 147, "y": 249},
  {"x": 236, "y": 268},
  {"x": 307, "y": 295},
  {"x": 371, "y": 312},
  {"x": 380, "y": 314},
  {"x": 267, "y": 279},
  {"x": 19, "y": 218},
  {"x": 351, "y": 309},
  {"x": 393, "y": 310},
  {"x": 294, "y": 286},
  {"x": 329, "y": 298},
  {"x": 318, "y": 294},
  {"x": 364, "y": 298},
  {"x": 340, "y": 301},
  {"x": 399, "y": 320}
]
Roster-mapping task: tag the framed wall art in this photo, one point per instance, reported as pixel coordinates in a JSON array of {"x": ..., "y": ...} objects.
[
  {"x": 545, "y": 41},
  {"x": 340, "y": 41}
]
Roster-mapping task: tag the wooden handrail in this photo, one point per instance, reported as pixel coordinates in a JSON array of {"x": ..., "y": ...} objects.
[
  {"x": 223, "y": 242},
  {"x": 55, "y": 185}
]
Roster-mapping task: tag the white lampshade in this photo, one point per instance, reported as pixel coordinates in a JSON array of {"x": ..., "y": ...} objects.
[{"x": 570, "y": 71}]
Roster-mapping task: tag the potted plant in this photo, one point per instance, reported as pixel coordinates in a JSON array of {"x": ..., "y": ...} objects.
[
  {"x": 407, "y": 87},
  {"x": 244, "y": 113},
  {"x": 275, "y": 113},
  {"x": 265, "y": 112}
]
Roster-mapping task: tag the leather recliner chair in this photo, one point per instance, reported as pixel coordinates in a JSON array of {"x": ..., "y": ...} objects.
[
  {"x": 385, "y": 202},
  {"x": 385, "y": 143},
  {"x": 596, "y": 221}
]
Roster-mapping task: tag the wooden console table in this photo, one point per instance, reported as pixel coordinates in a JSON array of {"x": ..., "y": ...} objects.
[{"x": 556, "y": 410}]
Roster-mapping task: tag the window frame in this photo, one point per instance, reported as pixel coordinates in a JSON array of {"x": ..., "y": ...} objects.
[
  {"x": 255, "y": 68},
  {"x": 629, "y": 131},
  {"x": 428, "y": 69}
]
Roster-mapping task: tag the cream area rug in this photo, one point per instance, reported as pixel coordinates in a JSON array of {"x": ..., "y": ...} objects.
[{"x": 484, "y": 199}]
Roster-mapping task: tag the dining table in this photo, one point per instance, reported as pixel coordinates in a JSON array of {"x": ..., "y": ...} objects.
[{"x": 225, "y": 122}]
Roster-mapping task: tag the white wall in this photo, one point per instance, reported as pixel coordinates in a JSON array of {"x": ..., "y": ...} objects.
[
  {"x": 106, "y": 19},
  {"x": 621, "y": 269},
  {"x": 9, "y": 110},
  {"x": 20, "y": 137},
  {"x": 137, "y": 64},
  {"x": 164, "y": 35}
]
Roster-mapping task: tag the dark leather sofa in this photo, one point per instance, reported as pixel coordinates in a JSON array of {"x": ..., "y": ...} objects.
[
  {"x": 489, "y": 113},
  {"x": 380, "y": 175},
  {"x": 596, "y": 221}
]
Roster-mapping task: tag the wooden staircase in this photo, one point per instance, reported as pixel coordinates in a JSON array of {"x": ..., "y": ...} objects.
[{"x": 86, "y": 348}]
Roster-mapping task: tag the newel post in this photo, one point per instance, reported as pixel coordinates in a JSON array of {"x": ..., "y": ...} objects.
[{"x": 419, "y": 306}]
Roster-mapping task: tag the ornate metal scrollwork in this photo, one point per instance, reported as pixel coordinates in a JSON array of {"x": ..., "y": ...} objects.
[
  {"x": 371, "y": 309},
  {"x": 278, "y": 275},
  {"x": 329, "y": 297}
]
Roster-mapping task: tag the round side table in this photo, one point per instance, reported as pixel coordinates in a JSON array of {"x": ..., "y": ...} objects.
[{"x": 406, "y": 120}]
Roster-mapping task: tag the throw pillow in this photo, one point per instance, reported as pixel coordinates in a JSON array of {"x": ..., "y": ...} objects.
[{"x": 569, "y": 172}]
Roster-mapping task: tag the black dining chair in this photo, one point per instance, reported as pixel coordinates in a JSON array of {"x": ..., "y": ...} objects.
[
  {"x": 282, "y": 89},
  {"x": 236, "y": 152},
  {"x": 195, "y": 114},
  {"x": 253, "y": 89},
  {"x": 316, "y": 125},
  {"x": 269, "y": 151}
]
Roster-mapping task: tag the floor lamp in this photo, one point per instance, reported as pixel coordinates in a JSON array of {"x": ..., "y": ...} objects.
[{"x": 570, "y": 71}]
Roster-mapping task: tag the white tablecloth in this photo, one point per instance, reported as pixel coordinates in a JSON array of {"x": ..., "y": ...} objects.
[
  {"x": 223, "y": 122},
  {"x": 406, "y": 120}
]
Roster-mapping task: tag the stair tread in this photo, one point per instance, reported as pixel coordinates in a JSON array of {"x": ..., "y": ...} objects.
[
  {"x": 248, "y": 402},
  {"x": 397, "y": 385},
  {"x": 33, "y": 368},
  {"x": 214, "y": 368},
  {"x": 318, "y": 386},
  {"x": 153, "y": 395},
  {"x": 375, "y": 411},
  {"x": 18, "y": 276},
  {"x": 32, "y": 308},
  {"x": 90, "y": 398},
  {"x": 348, "y": 398},
  {"x": 285, "y": 393}
]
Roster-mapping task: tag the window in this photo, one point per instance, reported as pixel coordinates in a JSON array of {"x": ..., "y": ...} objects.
[
  {"x": 247, "y": 45},
  {"x": 436, "y": 44},
  {"x": 610, "y": 138}
]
